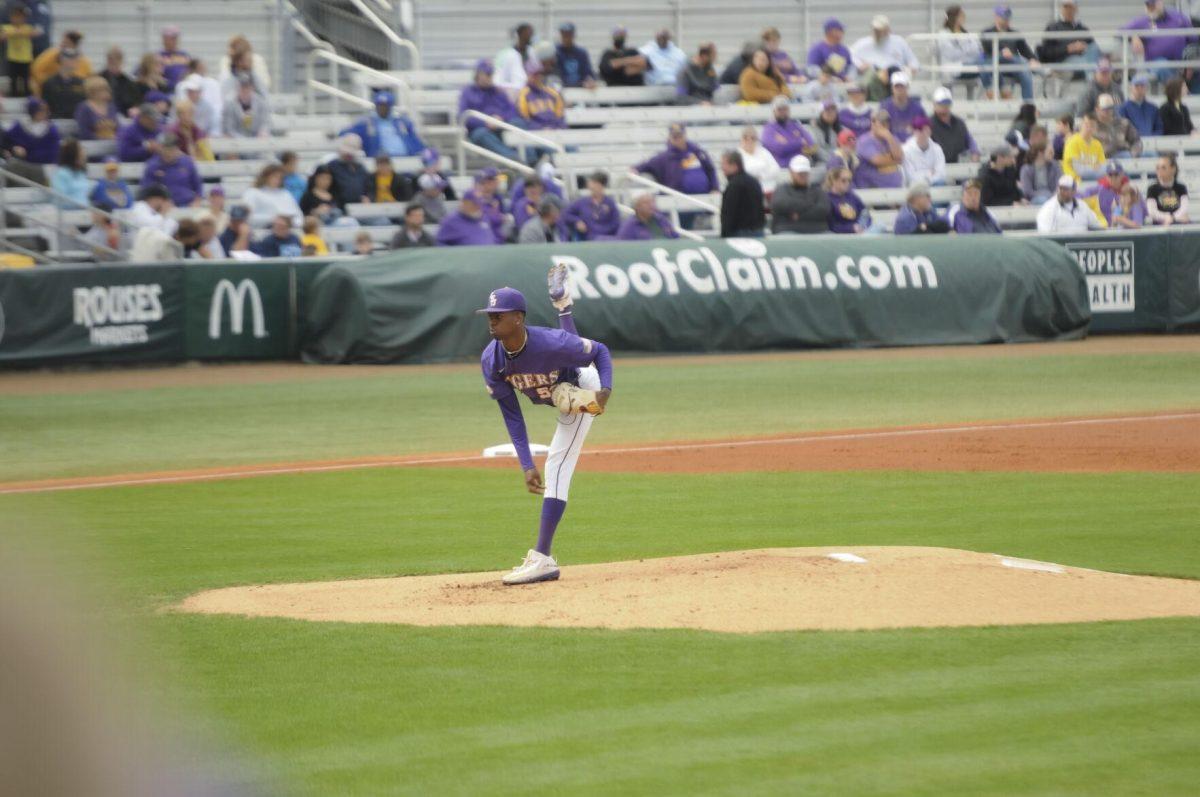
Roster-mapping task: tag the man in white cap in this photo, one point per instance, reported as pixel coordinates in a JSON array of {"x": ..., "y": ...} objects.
[
  {"x": 902, "y": 108},
  {"x": 798, "y": 206},
  {"x": 208, "y": 117},
  {"x": 1118, "y": 137},
  {"x": 950, "y": 131},
  {"x": 878, "y": 55},
  {"x": 1064, "y": 214}
]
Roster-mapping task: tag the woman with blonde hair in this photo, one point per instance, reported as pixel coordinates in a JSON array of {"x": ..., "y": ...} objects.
[
  {"x": 268, "y": 199},
  {"x": 97, "y": 118},
  {"x": 148, "y": 77},
  {"x": 241, "y": 59},
  {"x": 761, "y": 80},
  {"x": 192, "y": 139}
]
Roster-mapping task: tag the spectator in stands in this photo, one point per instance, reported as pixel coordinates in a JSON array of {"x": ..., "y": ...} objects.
[
  {"x": 1025, "y": 119},
  {"x": 544, "y": 173},
  {"x": 1064, "y": 128},
  {"x": 697, "y": 81},
  {"x": 239, "y": 60},
  {"x": 546, "y": 225},
  {"x": 63, "y": 91},
  {"x": 621, "y": 65},
  {"x": 758, "y": 161},
  {"x": 1014, "y": 51},
  {"x": 151, "y": 210},
  {"x": 784, "y": 137},
  {"x": 148, "y": 79},
  {"x": 238, "y": 237},
  {"x": 918, "y": 217},
  {"x": 70, "y": 178},
  {"x": 187, "y": 234},
  {"x": 856, "y": 116},
  {"x": 999, "y": 179},
  {"x": 949, "y": 131},
  {"x": 761, "y": 81},
  {"x": 174, "y": 60},
  {"x": 36, "y": 140},
  {"x": 594, "y": 216},
  {"x": 1064, "y": 214},
  {"x": 826, "y": 129},
  {"x": 829, "y": 60},
  {"x": 1039, "y": 175},
  {"x": 646, "y": 223},
  {"x": 525, "y": 207},
  {"x": 683, "y": 166},
  {"x": 364, "y": 245},
  {"x": 540, "y": 106},
  {"x": 1175, "y": 116},
  {"x": 958, "y": 48},
  {"x": 491, "y": 201},
  {"x": 267, "y": 198},
  {"x": 971, "y": 216},
  {"x": 467, "y": 226},
  {"x": 351, "y": 181},
  {"x": 294, "y": 182},
  {"x": 111, "y": 190},
  {"x": 246, "y": 114},
  {"x": 902, "y": 108},
  {"x": 924, "y": 161},
  {"x": 846, "y": 154},
  {"x": 484, "y": 97},
  {"x": 847, "y": 212},
  {"x": 1108, "y": 188},
  {"x": 1083, "y": 154},
  {"x": 783, "y": 63},
  {"x": 1128, "y": 211},
  {"x": 664, "y": 59},
  {"x": 281, "y": 242},
  {"x": 319, "y": 199},
  {"x": 1160, "y": 48},
  {"x": 1118, "y": 137},
  {"x": 384, "y": 131},
  {"x": 742, "y": 213},
  {"x": 138, "y": 140},
  {"x": 431, "y": 196},
  {"x": 1167, "y": 198},
  {"x": 192, "y": 140},
  {"x": 124, "y": 91},
  {"x": 574, "y": 63},
  {"x": 733, "y": 69},
  {"x": 1140, "y": 112},
  {"x": 881, "y": 154},
  {"x": 103, "y": 238},
  {"x": 799, "y": 206},
  {"x": 161, "y": 101},
  {"x": 175, "y": 171},
  {"x": 216, "y": 208},
  {"x": 511, "y": 61},
  {"x": 388, "y": 185},
  {"x": 46, "y": 65},
  {"x": 1101, "y": 83},
  {"x": 205, "y": 93},
  {"x": 1082, "y": 50},
  {"x": 97, "y": 117},
  {"x": 210, "y": 240},
  {"x": 18, "y": 35},
  {"x": 412, "y": 234},
  {"x": 878, "y": 55}
]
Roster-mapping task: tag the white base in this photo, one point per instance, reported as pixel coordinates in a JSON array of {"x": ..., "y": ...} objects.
[{"x": 507, "y": 450}]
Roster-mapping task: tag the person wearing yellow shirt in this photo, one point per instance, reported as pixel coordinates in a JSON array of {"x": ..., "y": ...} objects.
[
  {"x": 18, "y": 36},
  {"x": 1083, "y": 154},
  {"x": 45, "y": 66},
  {"x": 389, "y": 186},
  {"x": 311, "y": 241}
]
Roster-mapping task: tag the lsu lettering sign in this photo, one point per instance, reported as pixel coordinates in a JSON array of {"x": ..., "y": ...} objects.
[{"x": 1109, "y": 268}]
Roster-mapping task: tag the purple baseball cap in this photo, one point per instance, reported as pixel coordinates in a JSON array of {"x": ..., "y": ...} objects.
[
  {"x": 487, "y": 173},
  {"x": 111, "y": 159},
  {"x": 430, "y": 156},
  {"x": 833, "y": 23},
  {"x": 34, "y": 104},
  {"x": 216, "y": 190},
  {"x": 472, "y": 196},
  {"x": 484, "y": 65},
  {"x": 1002, "y": 11},
  {"x": 156, "y": 96},
  {"x": 619, "y": 30},
  {"x": 504, "y": 300}
]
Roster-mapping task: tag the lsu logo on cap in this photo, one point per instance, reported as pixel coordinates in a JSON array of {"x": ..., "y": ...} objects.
[{"x": 492, "y": 299}]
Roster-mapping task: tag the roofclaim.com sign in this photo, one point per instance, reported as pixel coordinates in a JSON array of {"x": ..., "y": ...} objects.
[{"x": 1108, "y": 267}]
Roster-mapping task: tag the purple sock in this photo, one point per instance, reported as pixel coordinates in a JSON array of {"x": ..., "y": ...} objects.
[{"x": 552, "y": 512}]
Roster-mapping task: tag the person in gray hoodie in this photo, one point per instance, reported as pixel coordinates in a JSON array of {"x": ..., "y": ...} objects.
[{"x": 797, "y": 206}]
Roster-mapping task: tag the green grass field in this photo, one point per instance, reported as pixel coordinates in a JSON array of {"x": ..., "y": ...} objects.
[{"x": 1105, "y": 708}]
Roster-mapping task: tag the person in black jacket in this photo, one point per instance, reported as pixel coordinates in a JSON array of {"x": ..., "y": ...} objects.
[
  {"x": 1176, "y": 118},
  {"x": 797, "y": 206},
  {"x": 733, "y": 70},
  {"x": 1081, "y": 50},
  {"x": 742, "y": 214},
  {"x": 413, "y": 233},
  {"x": 1014, "y": 51},
  {"x": 1000, "y": 179}
]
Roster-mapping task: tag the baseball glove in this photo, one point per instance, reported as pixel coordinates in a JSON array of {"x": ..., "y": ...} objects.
[{"x": 571, "y": 399}]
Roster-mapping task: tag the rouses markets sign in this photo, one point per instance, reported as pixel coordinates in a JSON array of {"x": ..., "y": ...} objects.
[
  {"x": 1109, "y": 268},
  {"x": 118, "y": 315}
]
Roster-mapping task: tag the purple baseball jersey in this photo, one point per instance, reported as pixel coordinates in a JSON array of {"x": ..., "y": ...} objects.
[{"x": 550, "y": 356}]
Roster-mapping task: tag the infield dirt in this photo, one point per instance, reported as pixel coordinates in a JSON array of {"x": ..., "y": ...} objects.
[{"x": 776, "y": 589}]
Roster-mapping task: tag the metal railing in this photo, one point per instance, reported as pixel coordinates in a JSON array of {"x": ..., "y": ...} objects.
[
  {"x": 525, "y": 138},
  {"x": 356, "y": 28},
  {"x": 699, "y": 204},
  {"x": 333, "y": 90}
]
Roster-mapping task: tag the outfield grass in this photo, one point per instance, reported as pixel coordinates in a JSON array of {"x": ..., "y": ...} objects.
[
  {"x": 1086, "y": 709},
  {"x": 438, "y": 410}
]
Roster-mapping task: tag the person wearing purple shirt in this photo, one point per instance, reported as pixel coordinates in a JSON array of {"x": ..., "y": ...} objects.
[
  {"x": 138, "y": 140},
  {"x": 1161, "y": 48},
  {"x": 829, "y": 57},
  {"x": 540, "y": 105},
  {"x": 552, "y": 367},
  {"x": 467, "y": 226},
  {"x": 882, "y": 156},
  {"x": 35, "y": 141},
  {"x": 174, "y": 61},
  {"x": 646, "y": 223},
  {"x": 491, "y": 202},
  {"x": 484, "y": 97},
  {"x": 174, "y": 171},
  {"x": 682, "y": 166},
  {"x": 902, "y": 108},
  {"x": 528, "y": 205},
  {"x": 856, "y": 116},
  {"x": 784, "y": 137},
  {"x": 847, "y": 211},
  {"x": 971, "y": 216},
  {"x": 595, "y": 216}
]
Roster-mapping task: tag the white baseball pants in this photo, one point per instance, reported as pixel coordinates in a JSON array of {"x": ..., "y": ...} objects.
[{"x": 567, "y": 443}]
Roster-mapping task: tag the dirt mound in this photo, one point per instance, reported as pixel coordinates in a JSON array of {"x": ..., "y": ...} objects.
[{"x": 777, "y": 589}]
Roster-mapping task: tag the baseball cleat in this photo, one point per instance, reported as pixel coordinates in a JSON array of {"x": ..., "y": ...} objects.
[
  {"x": 536, "y": 567},
  {"x": 559, "y": 283}
]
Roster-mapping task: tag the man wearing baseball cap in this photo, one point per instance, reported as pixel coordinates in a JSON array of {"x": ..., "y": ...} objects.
[
  {"x": 540, "y": 105},
  {"x": 138, "y": 140},
  {"x": 683, "y": 165},
  {"x": 950, "y": 131},
  {"x": 1014, "y": 51},
  {"x": 484, "y": 97},
  {"x": 924, "y": 160},
  {"x": 829, "y": 60},
  {"x": 174, "y": 60},
  {"x": 574, "y": 63},
  {"x": 878, "y": 55},
  {"x": 902, "y": 108},
  {"x": 1102, "y": 82},
  {"x": 385, "y": 132},
  {"x": 1140, "y": 112},
  {"x": 466, "y": 226},
  {"x": 1160, "y": 48},
  {"x": 621, "y": 65},
  {"x": 798, "y": 205},
  {"x": 1063, "y": 214},
  {"x": 856, "y": 116},
  {"x": 783, "y": 136},
  {"x": 1117, "y": 135}
]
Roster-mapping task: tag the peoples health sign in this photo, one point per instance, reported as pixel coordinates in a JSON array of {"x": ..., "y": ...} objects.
[{"x": 1109, "y": 269}]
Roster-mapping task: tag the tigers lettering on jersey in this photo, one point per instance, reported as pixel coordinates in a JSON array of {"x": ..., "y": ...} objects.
[{"x": 528, "y": 381}]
